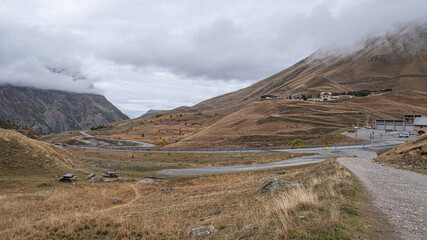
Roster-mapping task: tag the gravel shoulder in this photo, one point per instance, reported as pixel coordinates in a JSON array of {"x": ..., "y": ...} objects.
[{"x": 400, "y": 194}]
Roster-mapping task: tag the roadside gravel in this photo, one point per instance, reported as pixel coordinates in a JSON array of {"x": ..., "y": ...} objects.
[{"x": 400, "y": 194}]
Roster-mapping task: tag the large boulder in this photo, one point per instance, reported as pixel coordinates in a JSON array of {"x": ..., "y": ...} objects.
[
  {"x": 273, "y": 184},
  {"x": 97, "y": 179}
]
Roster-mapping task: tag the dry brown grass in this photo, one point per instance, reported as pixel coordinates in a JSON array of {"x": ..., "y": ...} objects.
[
  {"x": 411, "y": 155},
  {"x": 139, "y": 164},
  {"x": 20, "y": 155},
  {"x": 167, "y": 128},
  {"x": 229, "y": 202}
]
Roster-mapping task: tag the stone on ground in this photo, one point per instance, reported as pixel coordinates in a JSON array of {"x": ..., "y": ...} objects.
[
  {"x": 273, "y": 184},
  {"x": 90, "y": 176},
  {"x": 279, "y": 173},
  {"x": 150, "y": 180},
  {"x": 202, "y": 230},
  {"x": 97, "y": 179}
]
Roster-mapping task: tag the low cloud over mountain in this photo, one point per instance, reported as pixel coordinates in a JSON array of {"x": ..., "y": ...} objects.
[{"x": 149, "y": 54}]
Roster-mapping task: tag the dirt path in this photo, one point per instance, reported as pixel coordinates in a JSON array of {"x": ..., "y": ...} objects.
[
  {"x": 137, "y": 196},
  {"x": 400, "y": 194}
]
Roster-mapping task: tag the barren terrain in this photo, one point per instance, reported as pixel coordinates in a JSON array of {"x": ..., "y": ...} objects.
[
  {"x": 326, "y": 206},
  {"x": 411, "y": 155}
]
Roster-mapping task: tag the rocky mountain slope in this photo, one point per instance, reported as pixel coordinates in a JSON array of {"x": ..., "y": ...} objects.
[
  {"x": 51, "y": 111},
  {"x": 396, "y": 61},
  {"x": 22, "y": 129}
]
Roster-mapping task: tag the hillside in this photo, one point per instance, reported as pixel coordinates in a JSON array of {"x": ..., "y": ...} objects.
[
  {"x": 397, "y": 61},
  {"x": 411, "y": 155},
  {"x": 278, "y": 122},
  {"x": 20, "y": 155},
  {"x": 22, "y": 129},
  {"x": 51, "y": 111}
]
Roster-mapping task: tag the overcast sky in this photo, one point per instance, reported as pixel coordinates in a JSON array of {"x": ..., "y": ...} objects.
[{"x": 163, "y": 54}]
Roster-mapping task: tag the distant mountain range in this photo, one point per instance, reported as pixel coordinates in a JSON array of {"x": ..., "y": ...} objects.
[
  {"x": 52, "y": 111},
  {"x": 152, "y": 111}
]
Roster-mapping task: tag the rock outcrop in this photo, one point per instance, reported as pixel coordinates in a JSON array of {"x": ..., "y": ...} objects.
[{"x": 52, "y": 111}]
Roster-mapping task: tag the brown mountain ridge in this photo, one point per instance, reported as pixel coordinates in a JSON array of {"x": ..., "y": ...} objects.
[{"x": 396, "y": 61}]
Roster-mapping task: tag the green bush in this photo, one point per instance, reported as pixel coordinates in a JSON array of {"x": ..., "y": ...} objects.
[{"x": 297, "y": 142}]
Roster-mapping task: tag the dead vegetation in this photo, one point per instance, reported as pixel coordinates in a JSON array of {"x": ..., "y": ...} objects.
[
  {"x": 160, "y": 129},
  {"x": 326, "y": 207},
  {"x": 141, "y": 164},
  {"x": 20, "y": 155},
  {"x": 411, "y": 155}
]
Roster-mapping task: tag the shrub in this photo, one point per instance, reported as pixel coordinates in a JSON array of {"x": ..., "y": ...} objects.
[
  {"x": 162, "y": 143},
  {"x": 98, "y": 127},
  {"x": 297, "y": 142}
]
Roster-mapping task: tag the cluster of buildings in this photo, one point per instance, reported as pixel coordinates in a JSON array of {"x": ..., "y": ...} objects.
[
  {"x": 412, "y": 123},
  {"x": 323, "y": 96}
]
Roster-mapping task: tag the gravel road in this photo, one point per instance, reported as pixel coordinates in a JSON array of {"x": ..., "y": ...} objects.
[
  {"x": 244, "y": 168},
  {"x": 400, "y": 194}
]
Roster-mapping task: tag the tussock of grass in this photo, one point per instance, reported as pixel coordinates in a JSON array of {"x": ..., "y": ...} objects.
[{"x": 324, "y": 208}]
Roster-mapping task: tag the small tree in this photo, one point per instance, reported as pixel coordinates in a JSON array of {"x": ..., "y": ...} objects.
[
  {"x": 297, "y": 142},
  {"x": 142, "y": 134}
]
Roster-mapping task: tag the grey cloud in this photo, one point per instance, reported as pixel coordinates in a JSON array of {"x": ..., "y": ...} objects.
[{"x": 208, "y": 47}]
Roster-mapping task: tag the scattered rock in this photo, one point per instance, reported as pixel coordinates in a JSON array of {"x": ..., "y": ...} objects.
[
  {"x": 279, "y": 173},
  {"x": 119, "y": 179},
  {"x": 115, "y": 200},
  {"x": 97, "y": 179},
  {"x": 90, "y": 176},
  {"x": 128, "y": 216},
  {"x": 169, "y": 189},
  {"x": 276, "y": 184},
  {"x": 151, "y": 180},
  {"x": 202, "y": 230},
  {"x": 42, "y": 195}
]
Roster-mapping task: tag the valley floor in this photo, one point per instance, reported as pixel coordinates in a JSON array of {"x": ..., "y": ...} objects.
[{"x": 329, "y": 205}]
